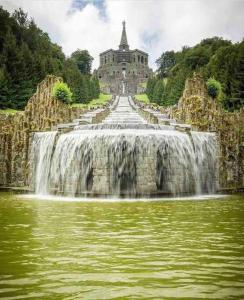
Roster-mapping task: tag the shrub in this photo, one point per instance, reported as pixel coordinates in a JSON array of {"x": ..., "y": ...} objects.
[
  {"x": 214, "y": 88},
  {"x": 62, "y": 92}
]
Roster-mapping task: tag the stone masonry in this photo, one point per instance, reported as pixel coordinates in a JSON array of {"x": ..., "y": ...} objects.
[{"x": 123, "y": 65}]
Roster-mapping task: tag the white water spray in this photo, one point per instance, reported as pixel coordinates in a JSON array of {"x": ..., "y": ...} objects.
[{"x": 125, "y": 157}]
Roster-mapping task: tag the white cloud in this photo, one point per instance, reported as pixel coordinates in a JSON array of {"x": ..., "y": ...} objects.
[{"x": 152, "y": 25}]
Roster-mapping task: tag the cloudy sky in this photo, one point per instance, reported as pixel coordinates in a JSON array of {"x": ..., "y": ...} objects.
[{"x": 152, "y": 25}]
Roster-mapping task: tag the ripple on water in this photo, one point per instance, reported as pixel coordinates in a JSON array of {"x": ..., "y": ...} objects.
[{"x": 106, "y": 250}]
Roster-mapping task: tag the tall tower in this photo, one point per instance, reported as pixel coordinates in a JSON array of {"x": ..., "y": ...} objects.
[{"x": 123, "y": 42}]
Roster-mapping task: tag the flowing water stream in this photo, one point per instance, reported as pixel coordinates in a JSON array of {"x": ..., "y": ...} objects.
[{"x": 118, "y": 158}]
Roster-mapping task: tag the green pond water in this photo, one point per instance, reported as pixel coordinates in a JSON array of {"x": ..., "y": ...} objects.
[{"x": 186, "y": 249}]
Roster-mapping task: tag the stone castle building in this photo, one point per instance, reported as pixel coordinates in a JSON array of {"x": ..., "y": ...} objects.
[{"x": 123, "y": 70}]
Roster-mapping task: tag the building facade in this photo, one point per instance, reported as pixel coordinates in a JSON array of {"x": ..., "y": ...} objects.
[{"x": 123, "y": 70}]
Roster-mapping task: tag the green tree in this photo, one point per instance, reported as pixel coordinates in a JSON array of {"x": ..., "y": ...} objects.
[
  {"x": 97, "y": 87},
  {"x": 166, "y": 61},
  {"x": 83, "y": 60},
  {"x": 150, "y": 87},
  {"x": 212, "y": 57},
  {"x": 4, "y": 101},
  {"x": 158, "y": 92},
  {"x": 27, "y": 55},
  {"x": 84, "y": 92}
]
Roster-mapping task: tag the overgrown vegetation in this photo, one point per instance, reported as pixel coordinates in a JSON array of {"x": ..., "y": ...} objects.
[
  {"x": 214, "y": 88},
  {"x": 62, "y": 92},
  {"x": 27, "y": 55},
  {"x": 213, "y": 58}
]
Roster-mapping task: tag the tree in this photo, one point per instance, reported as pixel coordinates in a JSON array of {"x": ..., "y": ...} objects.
[
  {"x": 27, "y": 55},
  {"x": 97, "y": 87},
  {"x": 166, "y": 61},
  {"x": 84, "y": 91},
  {"x": 83, "y": 60},
  {"x": 4, "y": 102},
  {"x": 197, "y": 57},
  {"x": 213, "y": 58},
  {"x": 158, "y": 92},
  {"x": 150, "y": 87}
]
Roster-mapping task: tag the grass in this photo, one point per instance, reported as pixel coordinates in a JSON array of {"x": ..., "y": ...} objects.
[
  {"x": 143, "y": 84},
  {"x": 9, "y": 111},
  {"x": 142, "y": 98},
  {"x": 102, "y": 100}
]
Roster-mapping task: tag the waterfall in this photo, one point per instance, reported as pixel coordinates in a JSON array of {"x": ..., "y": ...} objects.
[
  {"x": 125, "y": 156},
  {"x": 41, "y": 153},
  {"x": 206, "y": 153},
  {"x": 126, "y": 162}
]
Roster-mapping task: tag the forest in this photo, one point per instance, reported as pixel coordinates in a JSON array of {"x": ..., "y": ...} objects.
[
  {"x": 214, "y": 58},
  {"x": 27, "y": 55}
]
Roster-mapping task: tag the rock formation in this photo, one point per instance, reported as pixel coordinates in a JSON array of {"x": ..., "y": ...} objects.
[
  {"x": 204, "y": 113},
  {"x": 41, "y": 113}
]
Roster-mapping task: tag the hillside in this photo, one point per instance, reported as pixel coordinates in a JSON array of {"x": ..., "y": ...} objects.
[
  {"x": 212, "y": 57},
  {"x": 27, "y": 55}
]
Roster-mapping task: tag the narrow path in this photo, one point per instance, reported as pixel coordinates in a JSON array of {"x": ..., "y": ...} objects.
[{"x": 124, "y": 113}]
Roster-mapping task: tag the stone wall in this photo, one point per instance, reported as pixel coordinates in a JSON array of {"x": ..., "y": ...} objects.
[
  {"x": 42, "y": 112},
  {"x": 205, "y": 114}
]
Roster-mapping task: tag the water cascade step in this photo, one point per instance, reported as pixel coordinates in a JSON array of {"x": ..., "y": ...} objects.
[{"x": 124, "y": 156}]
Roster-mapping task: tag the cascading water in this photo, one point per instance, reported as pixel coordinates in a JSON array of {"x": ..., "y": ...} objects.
[
  {"x": 41, "y": 154},
  {"x": 206, "y": 153},
  {"x": 104, "y": 160}
]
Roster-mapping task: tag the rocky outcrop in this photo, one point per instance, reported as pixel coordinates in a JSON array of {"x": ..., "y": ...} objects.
[
  {"x": 205, "y": 114},
  {"x": 42, "y": 112}
]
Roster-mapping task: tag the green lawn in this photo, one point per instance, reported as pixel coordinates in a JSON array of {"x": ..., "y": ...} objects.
[
  {"x": 142, "y": 98},
  {"x": 102, "y": 100},
  {"x": 9, "y": 111}
]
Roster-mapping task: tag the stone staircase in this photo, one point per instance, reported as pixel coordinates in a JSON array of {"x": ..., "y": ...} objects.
[
  {"x": 156, "y": 117},
  {"x": 124, "y": 113},
  {"x": 91, "y": 117}
]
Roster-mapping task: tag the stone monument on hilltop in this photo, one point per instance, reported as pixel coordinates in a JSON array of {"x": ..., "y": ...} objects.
[{"x": 123, "y": 70}]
